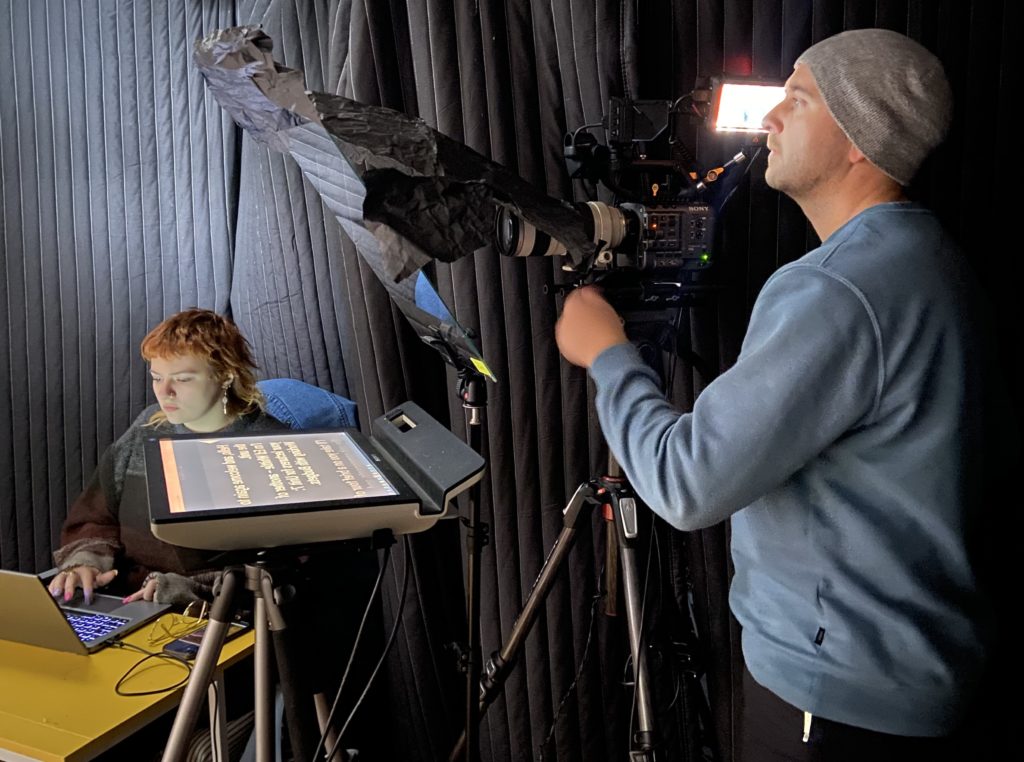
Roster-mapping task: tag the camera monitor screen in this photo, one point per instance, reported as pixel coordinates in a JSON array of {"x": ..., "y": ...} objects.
[
  {"x": 741, "y": 106},
  {"x": 240, "y": 491}
]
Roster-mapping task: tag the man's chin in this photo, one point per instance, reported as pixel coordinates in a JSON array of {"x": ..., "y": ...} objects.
[{"x": 773, "y": 181}]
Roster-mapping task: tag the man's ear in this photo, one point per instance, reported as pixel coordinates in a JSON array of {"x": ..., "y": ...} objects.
[{"x": 855, "y": 155}]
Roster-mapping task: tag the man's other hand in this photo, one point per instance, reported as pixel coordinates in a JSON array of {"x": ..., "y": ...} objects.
[{"x": 587, "y": 327}]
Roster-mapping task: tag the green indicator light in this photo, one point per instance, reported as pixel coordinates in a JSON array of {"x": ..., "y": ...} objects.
[{"x": 705, "y": 257}]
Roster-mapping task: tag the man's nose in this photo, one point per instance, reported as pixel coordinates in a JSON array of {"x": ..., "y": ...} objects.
[
  {"x": 771, "y": 120},
  {"x": 164, "y": 389}
]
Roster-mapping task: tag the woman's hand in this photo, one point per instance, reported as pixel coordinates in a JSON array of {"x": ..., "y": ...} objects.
[
  {"x": 86, "y": 577},
  {"x": 165, "y": 587},
  {"x": 148, "y": 590}
]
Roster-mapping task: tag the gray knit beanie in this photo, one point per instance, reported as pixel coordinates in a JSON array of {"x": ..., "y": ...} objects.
[{"x": 887, "y": 93}]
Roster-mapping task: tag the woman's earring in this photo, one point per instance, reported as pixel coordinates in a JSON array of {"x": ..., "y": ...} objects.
[{"x": 224, "y": 399}]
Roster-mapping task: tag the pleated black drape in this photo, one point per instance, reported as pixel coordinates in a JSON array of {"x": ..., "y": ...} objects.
[
  {"x": 125, "y": 194},
  {"x": 501, "y": 79}
]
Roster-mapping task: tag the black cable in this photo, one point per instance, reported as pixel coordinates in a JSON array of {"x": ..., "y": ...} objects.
[
  {"x": 660, "y": 579},
  {"x": 590, "y": 188},
  {"x": 677, "y": 685},
  {"x": 387, "y": 648},
  {"x": 149, "y": 655},
  {"x": 660, "y": 606},
  {"x": 215, "y": 726},
  {"x": 352, "y": 654},
  {"x": 680, "y": 99},
  {"x": 579, "y": 672},
  {"x": 718, "y": 193},
  {"x": 670, "y": 377},
  {"x": 578, "y": 130}
]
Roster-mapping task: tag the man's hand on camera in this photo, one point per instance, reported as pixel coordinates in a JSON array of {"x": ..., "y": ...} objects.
[{"x": 587, "y": 327}]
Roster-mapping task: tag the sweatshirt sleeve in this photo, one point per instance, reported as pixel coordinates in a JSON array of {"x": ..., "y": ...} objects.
[
  {"x": 91, "y": 534},
  {"x": 810, "y": 369}
]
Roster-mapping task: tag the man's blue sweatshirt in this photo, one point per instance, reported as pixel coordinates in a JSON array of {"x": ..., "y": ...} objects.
[{"x": 843, "y": 445}]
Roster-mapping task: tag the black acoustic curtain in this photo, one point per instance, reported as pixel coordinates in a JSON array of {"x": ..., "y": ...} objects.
[
  {"x": 506, "y": 81},
  {"x": 125, "y": 195}
]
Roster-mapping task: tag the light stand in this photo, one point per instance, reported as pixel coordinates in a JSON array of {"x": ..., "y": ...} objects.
[{"x": 473, "y": 391}]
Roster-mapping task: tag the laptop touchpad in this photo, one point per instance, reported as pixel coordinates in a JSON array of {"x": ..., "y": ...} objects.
[{"x": 104, "y": 604}]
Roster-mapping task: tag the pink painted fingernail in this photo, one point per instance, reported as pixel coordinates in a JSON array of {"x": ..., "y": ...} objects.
[{"x": 125, "y": 599}]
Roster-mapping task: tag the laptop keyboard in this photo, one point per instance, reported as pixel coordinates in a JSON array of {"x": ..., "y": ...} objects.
[{"x": 90, "y": 627}]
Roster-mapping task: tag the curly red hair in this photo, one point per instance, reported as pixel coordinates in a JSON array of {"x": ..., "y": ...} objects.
[{"x": 217, "y": 340}]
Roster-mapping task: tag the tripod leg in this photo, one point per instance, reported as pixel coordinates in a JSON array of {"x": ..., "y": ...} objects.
[
  {"x": 611, "y": 562},
  {"x": 625, "y": 517},
  {"x": 323, "y": 711},
  {"x": 264, "y": 685},
  {"x": 221, "y": 614},
  {"x": 300, "y": 710},
  {"x": 499, "y": 665}
]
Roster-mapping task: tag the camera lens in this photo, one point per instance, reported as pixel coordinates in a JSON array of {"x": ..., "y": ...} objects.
[
  {"x": 515, "y": 237},
  {"x": 506, "y": 229}
]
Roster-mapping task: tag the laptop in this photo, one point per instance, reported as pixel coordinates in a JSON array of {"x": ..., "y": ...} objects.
[{"x": 34, "y": 617}]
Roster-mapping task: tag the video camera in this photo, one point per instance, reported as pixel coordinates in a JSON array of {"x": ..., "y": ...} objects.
[{"x": 656, "y": 240}]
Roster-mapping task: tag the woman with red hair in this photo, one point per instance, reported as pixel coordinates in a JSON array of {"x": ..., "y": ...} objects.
[{"x": 203, "y": 379}]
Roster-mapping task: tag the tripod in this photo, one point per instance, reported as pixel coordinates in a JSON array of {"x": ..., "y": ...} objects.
[
  {"x": 613, "y": 490},
  {"x": 304, "y": 731}
]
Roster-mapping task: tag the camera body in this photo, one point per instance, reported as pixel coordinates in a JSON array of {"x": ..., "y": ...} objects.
[
  {"x": 669, "y": 238},
  {"x": 656, "y": 239}
]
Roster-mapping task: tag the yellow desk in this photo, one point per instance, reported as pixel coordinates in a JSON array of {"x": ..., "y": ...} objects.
[{"x": 58, "y": 706}]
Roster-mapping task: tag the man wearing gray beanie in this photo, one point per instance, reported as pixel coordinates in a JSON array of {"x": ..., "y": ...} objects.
[
  {"x": 841, "y": 445},
  {"x": 881, "y": 104}
]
